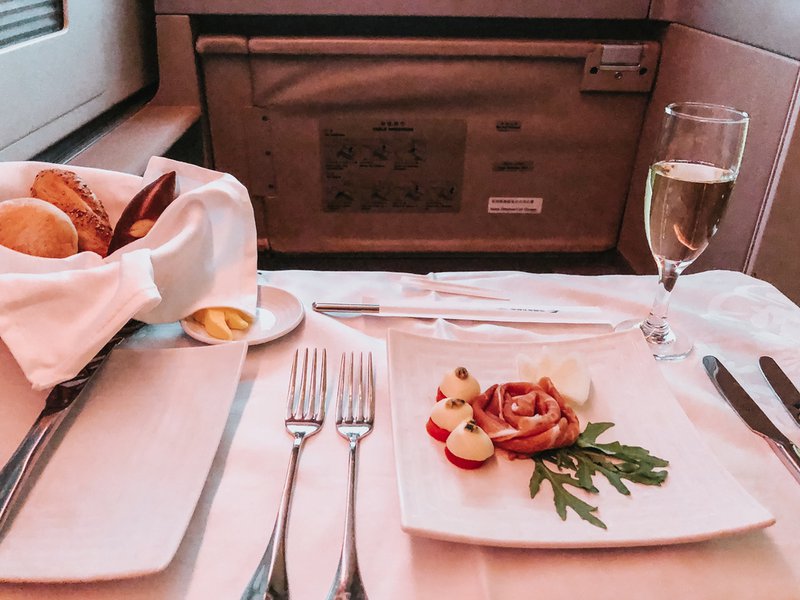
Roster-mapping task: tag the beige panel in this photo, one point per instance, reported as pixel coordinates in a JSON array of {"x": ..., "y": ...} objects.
[
  {"x": 574, "y": 9},
  {"x": 776, "y": 260},
  {"x": 702, "y": 67},
  {"x": 178, "y": 83},
  {"x": 769, "y": 24},
  {"x": 228, "y": 97},
  {"x": 150, "y": 132},
  {"x": 169, "y": 117},
  {"x": 574, "y": 150}
]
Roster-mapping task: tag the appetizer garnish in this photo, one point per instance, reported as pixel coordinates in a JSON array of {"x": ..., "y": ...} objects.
[
  {"x": 468, "y": 446},
  {"x": 446, "y": 415},
  {"x": 218, "y": 322},
  {"x": 568, "y": 373},
  {"x": 458, "y": 383},
  {"x": 533, "y": 421},
  {"x": 524, "y": 418},
  {"x": 586, "y": 458}
]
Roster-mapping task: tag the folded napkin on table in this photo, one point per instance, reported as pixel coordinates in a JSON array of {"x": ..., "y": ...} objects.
[{"x": 56, "y": 314}]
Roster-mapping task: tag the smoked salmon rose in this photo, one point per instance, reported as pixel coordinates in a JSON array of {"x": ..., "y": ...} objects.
[{"x": 525, "y": 418}]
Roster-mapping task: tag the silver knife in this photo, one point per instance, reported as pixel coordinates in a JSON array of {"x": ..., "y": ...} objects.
[
  {"x": 752, "y": 415},
  {"x": 16, "y": 471},
  {"x": 782, "y": 386}
]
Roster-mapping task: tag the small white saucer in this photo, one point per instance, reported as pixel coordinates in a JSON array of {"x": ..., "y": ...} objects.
[{"x": 278, "y": 313}]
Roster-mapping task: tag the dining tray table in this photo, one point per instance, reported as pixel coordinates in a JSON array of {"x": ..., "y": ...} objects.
[{"x": 750, "y": 552}]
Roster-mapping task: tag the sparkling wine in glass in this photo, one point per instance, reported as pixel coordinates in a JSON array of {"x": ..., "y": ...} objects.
[{"x": 687, "y": 190}]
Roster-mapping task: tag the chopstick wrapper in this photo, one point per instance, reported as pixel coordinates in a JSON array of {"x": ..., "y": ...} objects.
[{"x": 56, "y": 314}]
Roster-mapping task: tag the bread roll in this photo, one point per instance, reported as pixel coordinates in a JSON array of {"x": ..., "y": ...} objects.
[
  {"x": 36, "y": 227},
  {"x": 65, "y": 190},
  {"x": 143, "y": 210}
]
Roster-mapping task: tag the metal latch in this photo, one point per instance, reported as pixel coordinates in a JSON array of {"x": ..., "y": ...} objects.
[{"x": 621, "y": 68}]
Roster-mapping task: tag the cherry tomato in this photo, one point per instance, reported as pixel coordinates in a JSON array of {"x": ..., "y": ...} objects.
[
  {"x": 436, "y": 432},
  {"x": 462, "y": 463}
]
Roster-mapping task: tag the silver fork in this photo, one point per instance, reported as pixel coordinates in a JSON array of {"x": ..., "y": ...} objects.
[
  {"x": 305, "y": 412},
  {"x": 355, "y": 416}
]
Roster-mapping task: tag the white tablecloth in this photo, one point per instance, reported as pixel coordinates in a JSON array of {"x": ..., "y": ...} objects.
[{"x": 733, "y": 316}]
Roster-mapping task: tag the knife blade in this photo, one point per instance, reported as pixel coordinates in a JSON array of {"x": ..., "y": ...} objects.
[
  {"x": 752, "y": 415},
  {"x": 781, "y": 385},
  {"x": 16, "y": 472}
]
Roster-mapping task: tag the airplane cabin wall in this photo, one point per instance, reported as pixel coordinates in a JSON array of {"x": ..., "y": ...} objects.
[
  {"x": 56, "y": 83},
  {"x": 700, "y": 66},
  {"x": 761, "y": 25}
]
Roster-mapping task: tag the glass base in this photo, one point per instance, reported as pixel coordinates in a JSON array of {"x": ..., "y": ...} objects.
[{"x": 676, "y": 345}]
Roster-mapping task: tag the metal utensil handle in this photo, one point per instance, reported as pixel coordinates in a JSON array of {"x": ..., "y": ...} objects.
[
  {"x": 783, "y": 387},
  {"x": 269, "y": 580},
  {"x": 18, "y": 468},
  {"x": 789, "y": 455},
  {"x": 347, "y": 583},
  {"x": 58, "y": 403},
  {"x": 325, "y": 307}
]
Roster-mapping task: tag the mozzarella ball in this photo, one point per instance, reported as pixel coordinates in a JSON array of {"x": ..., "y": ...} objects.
[
  {"x": 449, "y": 412},
  {"x": 459, "y": 383},
  {"x": 470, "y": 442}
]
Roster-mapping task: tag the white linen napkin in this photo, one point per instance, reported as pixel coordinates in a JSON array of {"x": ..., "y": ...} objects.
[{"x": 56, "y": 314}]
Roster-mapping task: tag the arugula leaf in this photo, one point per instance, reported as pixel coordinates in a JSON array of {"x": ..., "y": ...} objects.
[
  {"x": 562, "y": 498},
  {"x": 587, "y": 458}
]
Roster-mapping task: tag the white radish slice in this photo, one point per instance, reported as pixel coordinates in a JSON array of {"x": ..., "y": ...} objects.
[{"x": 568, "y": 372}]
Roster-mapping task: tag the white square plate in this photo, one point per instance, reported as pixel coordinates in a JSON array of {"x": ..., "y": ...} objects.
[
  {"x": 117, "y": 493},
  {"x": 492, "y": 505}
]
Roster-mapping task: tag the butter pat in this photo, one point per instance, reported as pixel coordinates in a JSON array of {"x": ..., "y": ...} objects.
[
  {"x": 235, "y": 319},
  {"x": 218, "y": 322},
  {"x": 216, "y": 325}
]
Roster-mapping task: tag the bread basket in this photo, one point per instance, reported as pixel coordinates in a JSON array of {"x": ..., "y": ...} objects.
[{"x": 56, "y": 313}]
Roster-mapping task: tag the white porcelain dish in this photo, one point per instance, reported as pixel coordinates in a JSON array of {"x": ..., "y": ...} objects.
[
  {"x": 278, "y": 313},
  {"x": 492, "y": 505},
  {"x": 116, "y": 494}
]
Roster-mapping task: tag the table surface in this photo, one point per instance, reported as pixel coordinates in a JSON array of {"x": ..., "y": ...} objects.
[{"x": 731, "y": 315}]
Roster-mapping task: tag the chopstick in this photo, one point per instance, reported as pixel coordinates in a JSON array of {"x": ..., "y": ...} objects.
[{"x": 422, "y": 282}]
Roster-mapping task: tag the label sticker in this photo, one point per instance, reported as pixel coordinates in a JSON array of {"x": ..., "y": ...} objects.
[
  {"x": 392, "y": 164},
  {"x": 512, "y": 166},
  {"x": 515, "y": 206},
  {"x": 505, "y": 126}
]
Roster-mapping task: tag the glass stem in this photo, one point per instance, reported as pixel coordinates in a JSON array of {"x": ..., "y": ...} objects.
[{"x": 656, "y": 327}]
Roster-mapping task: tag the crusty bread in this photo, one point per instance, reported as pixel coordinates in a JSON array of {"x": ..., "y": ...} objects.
[
  {"x": 65, "y": 190},
  {"x": 143, "y": 210},
  {"x": 36, "y": 227}
]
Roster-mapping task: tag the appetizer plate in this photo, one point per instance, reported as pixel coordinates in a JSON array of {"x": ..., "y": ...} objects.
[
  {"x": 492, "y": 505},
  {"x": 116, "y": 494},
  {"x": 278, "y": 313}
]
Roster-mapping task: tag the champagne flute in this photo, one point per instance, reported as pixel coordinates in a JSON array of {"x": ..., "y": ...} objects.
[{"x": 696, "y": 164}]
